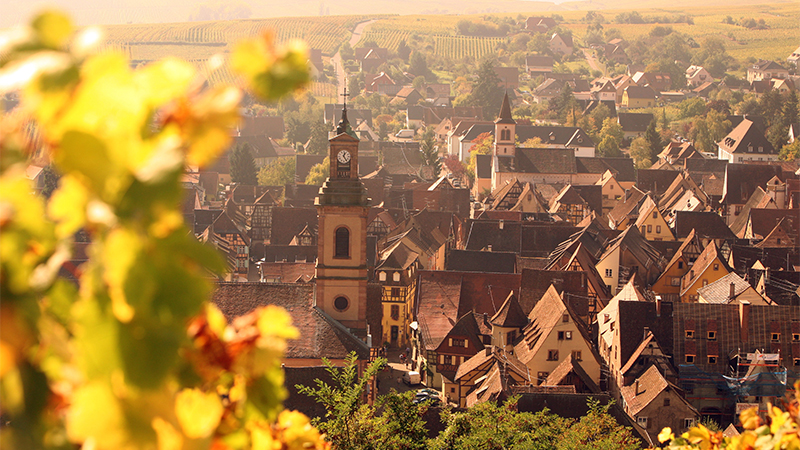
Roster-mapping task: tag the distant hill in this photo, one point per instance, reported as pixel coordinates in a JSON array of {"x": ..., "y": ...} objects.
[{"x": 86, "y": 12}]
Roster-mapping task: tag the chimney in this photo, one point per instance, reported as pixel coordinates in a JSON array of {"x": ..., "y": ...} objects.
[
  {"x": 733, "y": 292},
  {"x": 646, "y": 330},
  {"x": 744, "y": 320},
  {"x": 501, "y": 224},
  {"x": 658, "y": 306},
  {"x": 488, "y": 350},
  {"x": 636, "y": 387}
]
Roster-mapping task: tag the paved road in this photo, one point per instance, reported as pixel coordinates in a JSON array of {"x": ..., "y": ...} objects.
[
  {"x": 337, "y": 58},
  {"x": 589, "y": 54}
]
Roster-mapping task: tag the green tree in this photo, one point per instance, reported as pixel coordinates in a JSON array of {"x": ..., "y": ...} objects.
[
  {"x": 346, "y": 423},
  {"x": 597, "y": 430},
  {"x": 403, "y": 50},
  {"x": 611, "y": 136},
  {"x": 430, "y": 154},
  {"x": 243, "y": 166},
  {"x": 653, "y": 139},
  {"x": 318, "y": 139},
  {"x": 418, "y": 65},
  {"x": 778, "y": 133},
  {"x": 487, "y": 92},
  {"x": 319, "y": 172},
  {"x": 484, "y": 144},
  {"x": 278, "y": 172},
  {"x": 707, "y": 131},
  {"x": 790, "y": 152},
  {"x": 640, "y": 152},
  {"x": 608, "y": 147},
  {"x": 346, "y": 52}
]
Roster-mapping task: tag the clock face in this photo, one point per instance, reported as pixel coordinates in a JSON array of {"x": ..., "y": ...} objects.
[{"x": 343, "y": 157}]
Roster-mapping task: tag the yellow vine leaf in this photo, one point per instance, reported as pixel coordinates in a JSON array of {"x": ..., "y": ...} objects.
[
  {"x": 198, "y": 413},
  {"x": 52, "y": 28},
  {"x": 749, "y": 419},
  {"x": 96, "y": 414},
  {"x": 274, "y": 321},
  {"x": 666, "y": 435},
  {"x": 164, "y": 81},
  {"x": 272, "y": 72},
  {"x": 208, "y": 127},
  {"x": 168, "y": 437},
  {"x": 68, "y": 206}
]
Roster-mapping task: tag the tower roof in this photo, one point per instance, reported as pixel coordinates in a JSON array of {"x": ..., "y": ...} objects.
[
  {"x": 505, "y": 112},
  {"x": 344, "y": 125},
  {"x": 510, "y": 314}
]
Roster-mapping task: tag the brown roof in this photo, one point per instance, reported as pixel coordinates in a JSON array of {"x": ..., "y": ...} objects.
[
  {"x": 510, "y": 314},
  {"x": 741, "y": 180},
  {"x": 649, "y": 385},
  {"x": 569, "y": 365},
  {"x": 764, "y": 220},
  {"x": 709, "y": 255},
  {"x": 655, "y": 181},
  {"x": 627, "y": 205},
  {"x": 706, "y": 224},
  {"x": 320, "y": 336},
  {"x": 544, "y": 317},
  {"x": 720, "y": 290},
  {"x": 747, "y": 137}
]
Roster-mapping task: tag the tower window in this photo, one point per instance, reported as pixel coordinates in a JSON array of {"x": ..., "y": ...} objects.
[
  {"x": 341, "y": 303},
  {"x": 342, "y": 249}
]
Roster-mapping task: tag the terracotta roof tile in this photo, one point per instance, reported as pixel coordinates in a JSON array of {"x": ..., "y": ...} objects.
[{"x": 320, "y": 336}]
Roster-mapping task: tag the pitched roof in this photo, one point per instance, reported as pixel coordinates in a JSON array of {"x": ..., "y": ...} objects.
[
  {"x": 634, "y": 122},
  {"x": 505, "y": 112},
  {"x": 637, "y": 246},
  {"x": 568, "y": 366},
  {"x": 640, "y": 92},
  {"x": 480, "y": 261},
  {"x": 703, "y": 262},
  {"x": 759, "y": 199},
  {"x": 544, "y": 317},
  {"x": 646, "y": 388},
  {"x": 540, "y": 160},
  {"x": 510, "y": 314},
  {"x": 628, "y": 204},
  {"x": 321, "y": 335},
  {"x": 741, "y": 180},
  {"x": 706, "y": 224},
  {"x": 622, "y": 168},
  {"x": 746, "y": 138},
  {"x": 764, "y": 220},
  {"x": 719, "y": 291}
]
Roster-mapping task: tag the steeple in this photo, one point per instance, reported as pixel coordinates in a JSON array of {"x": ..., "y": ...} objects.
[
  {"x": 505, "y": 112},
  {"x": 344, "y": 125}
]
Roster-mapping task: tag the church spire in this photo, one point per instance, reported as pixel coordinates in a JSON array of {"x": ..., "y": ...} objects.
[
  {"x": 344, "y": 125},
  {"x": 505, "y": 111}
]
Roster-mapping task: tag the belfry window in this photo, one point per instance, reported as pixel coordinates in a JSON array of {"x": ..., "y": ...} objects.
[{"x": 342, "y": 249}]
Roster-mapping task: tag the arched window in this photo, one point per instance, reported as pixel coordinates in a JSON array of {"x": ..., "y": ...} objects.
[{"x": 342, "y": 249}]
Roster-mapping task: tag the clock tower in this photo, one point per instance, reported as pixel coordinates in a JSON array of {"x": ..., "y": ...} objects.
[{"x": 342, "y": 206}]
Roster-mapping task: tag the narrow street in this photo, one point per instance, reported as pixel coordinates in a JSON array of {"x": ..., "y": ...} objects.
[
  {"x": 337, "y": 58},
  {"x": 588, "y": 53}
]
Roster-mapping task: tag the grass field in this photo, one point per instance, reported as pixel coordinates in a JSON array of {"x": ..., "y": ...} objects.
[{"x": 775, "y": 43}]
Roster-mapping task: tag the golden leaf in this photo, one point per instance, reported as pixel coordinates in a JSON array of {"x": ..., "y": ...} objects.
[{"x": 198, "y": 413}]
